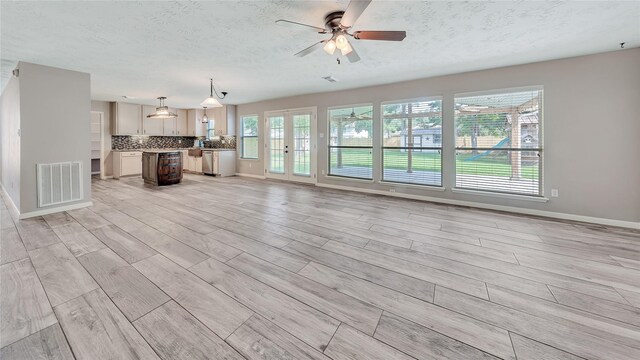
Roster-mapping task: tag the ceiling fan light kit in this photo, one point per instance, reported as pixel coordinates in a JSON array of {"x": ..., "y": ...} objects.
[
  {"x": 346, "y": 50},
  {"x": 330, "y": 47},
  {"x": 162, "y": 111},
  {"x": 338, "y": 23},
  {"x": 341, "y": 41}
]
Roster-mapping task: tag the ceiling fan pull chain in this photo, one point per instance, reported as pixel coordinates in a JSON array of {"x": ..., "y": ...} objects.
[{"x": 338, "y": 60}]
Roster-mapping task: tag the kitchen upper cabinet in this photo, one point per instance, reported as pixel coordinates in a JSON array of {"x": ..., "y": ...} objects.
[
  {"x": 195, "y": 127},
  {"x": 181, "y": 123},
  {"x": 153, "y": 127},
  {"x": 169, "y": 125},
  {"x": 225, "y": 119},
  {"x": 126, "y": 119}
]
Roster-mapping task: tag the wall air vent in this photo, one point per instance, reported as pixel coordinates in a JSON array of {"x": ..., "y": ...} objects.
[
  {"x": 330, "y": 78},
  {"x": 59, "y": 183}
]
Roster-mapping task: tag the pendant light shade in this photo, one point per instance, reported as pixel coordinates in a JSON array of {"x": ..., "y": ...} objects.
[
  {"x": 211, "y": 101},
  {"x": 162, "y": 112}
]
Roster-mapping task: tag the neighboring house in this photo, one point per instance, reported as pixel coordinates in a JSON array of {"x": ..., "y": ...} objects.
[{"x": 431, "y": 137}]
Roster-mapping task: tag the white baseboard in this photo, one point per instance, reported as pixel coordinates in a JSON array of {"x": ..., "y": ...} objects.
[
  {"x": 55, "y": 210},
  {"x": 251, "y": 176},
  {"x": 13, "y": 209},
  {"x": 550, "y": 214}
]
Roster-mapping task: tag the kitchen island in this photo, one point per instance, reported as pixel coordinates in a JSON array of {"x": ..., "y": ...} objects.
[{"x": 161, "y": 167}]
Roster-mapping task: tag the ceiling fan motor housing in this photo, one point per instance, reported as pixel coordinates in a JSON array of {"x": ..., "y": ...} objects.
[{"x": 332, "y": 21}]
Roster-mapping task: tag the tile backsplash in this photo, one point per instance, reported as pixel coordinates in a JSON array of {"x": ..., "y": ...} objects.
[
  {"x": 221, "y": 142},
  {"x": 119, "y": 142}
]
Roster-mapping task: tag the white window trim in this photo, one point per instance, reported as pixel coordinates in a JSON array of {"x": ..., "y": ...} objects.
[
  {"x": 415, "y": 186},
  {"x": 381, "y": 129},
  {"x": 328, "y": 143},
  {"x": 240, "y": 153},
  {"x": 535, "y": 198}
]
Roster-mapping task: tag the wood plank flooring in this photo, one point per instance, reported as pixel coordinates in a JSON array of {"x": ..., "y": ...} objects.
[{"x": 239, "y": 268}]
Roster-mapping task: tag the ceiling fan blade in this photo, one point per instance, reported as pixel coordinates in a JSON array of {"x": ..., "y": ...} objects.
[
  {"x": 353, "y": 12},
  {"x": 353, "y": 55},
  {"x": 310, "y": 49},
  {"x": 380, "y": 35},
  {"x": 290, "y": 23}
]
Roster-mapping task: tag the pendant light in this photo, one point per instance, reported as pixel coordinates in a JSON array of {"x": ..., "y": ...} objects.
[
  {"x": 205, "y": 118},
  {"x": 162, "y": 112},
  {"x": 211, "y": 101}
]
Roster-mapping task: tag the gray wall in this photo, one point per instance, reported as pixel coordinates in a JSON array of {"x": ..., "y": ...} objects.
[
  {"x": 10, "y": 147},
  {"x": 105, "y": 108},
  {"x": 591, "y": 118},
  {"x": 54, "y": 115}
]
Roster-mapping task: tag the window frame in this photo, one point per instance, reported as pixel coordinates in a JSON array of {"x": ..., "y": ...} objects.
[
  {"x": 242, "y": 137},
  {"x": 441, "y": 148},
  {"x": 540, "y": 149},
  {"x": 210, "y": 128},
  {"x": 329, "y": 146}
]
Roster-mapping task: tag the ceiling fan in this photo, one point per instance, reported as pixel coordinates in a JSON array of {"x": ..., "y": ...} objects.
[
  {"x": 339, "y": 24},
  {"x": 360, "y": 116}
]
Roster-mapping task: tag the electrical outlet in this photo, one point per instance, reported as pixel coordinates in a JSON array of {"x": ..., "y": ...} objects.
[
  {"x": 321, "y": 135},
  {"x": 322, "y": 172},
  {"x": 554, "y": 192},
  {"x": 392, "y": 189},
  {"x": 250, "y": 165}
]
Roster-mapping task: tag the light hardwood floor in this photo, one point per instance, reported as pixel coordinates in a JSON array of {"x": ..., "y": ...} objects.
[{"x": 239, "y": 268}]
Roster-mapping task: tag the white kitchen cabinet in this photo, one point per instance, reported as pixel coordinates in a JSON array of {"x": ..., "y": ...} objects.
[
  {"x": 195, "y": 127},
  {"x": 198, "y": 164},
  {"x": 185, "y": 159},
  {"x": 225, "y": 119},
  {"x": 126, "y": 119},
  {"x": 152, "y": 127},
  {"x": 224, "y": 163},
  {"x": 181, "y": 123},
  {"x": 195, "y": 164},
  {"x": 169, "y": 125},
  {"x": 191, "y": 163},
  {"x": 127, "y": 163}
]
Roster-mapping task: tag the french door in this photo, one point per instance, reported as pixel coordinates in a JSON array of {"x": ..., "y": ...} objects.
[{"x": 290, "y": 145}]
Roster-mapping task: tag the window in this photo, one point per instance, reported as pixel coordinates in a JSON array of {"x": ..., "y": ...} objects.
[
  {"x": 211, "y": 129},
  {"x": 499, "y": 142},
  {"x": 351, "y": 142},
  {"x": 412, "y": 142},
  {"x": 249, "y": 137}
]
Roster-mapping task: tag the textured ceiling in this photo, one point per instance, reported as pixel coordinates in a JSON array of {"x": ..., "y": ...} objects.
[{"x": 148, "y": 49}]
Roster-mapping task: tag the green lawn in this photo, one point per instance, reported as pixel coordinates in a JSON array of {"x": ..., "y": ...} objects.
[
  {"x": 393, "y": 159},
  {"x": 277, "y": 165}
]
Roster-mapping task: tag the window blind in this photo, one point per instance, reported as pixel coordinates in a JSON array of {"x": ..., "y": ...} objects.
[
  {"x": 412, "y": 142},
  {"x": 499, "y": 142},
  {"x": 351, "y": 142}
]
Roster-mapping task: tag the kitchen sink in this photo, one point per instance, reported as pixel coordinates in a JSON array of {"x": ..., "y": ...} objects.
[{"x": 195, "y": 152}]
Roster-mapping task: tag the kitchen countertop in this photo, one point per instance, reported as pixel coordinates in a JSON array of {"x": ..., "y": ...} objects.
[
  {"x": 159, "y": 151},
  {"x": 171, "y": 149}
]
